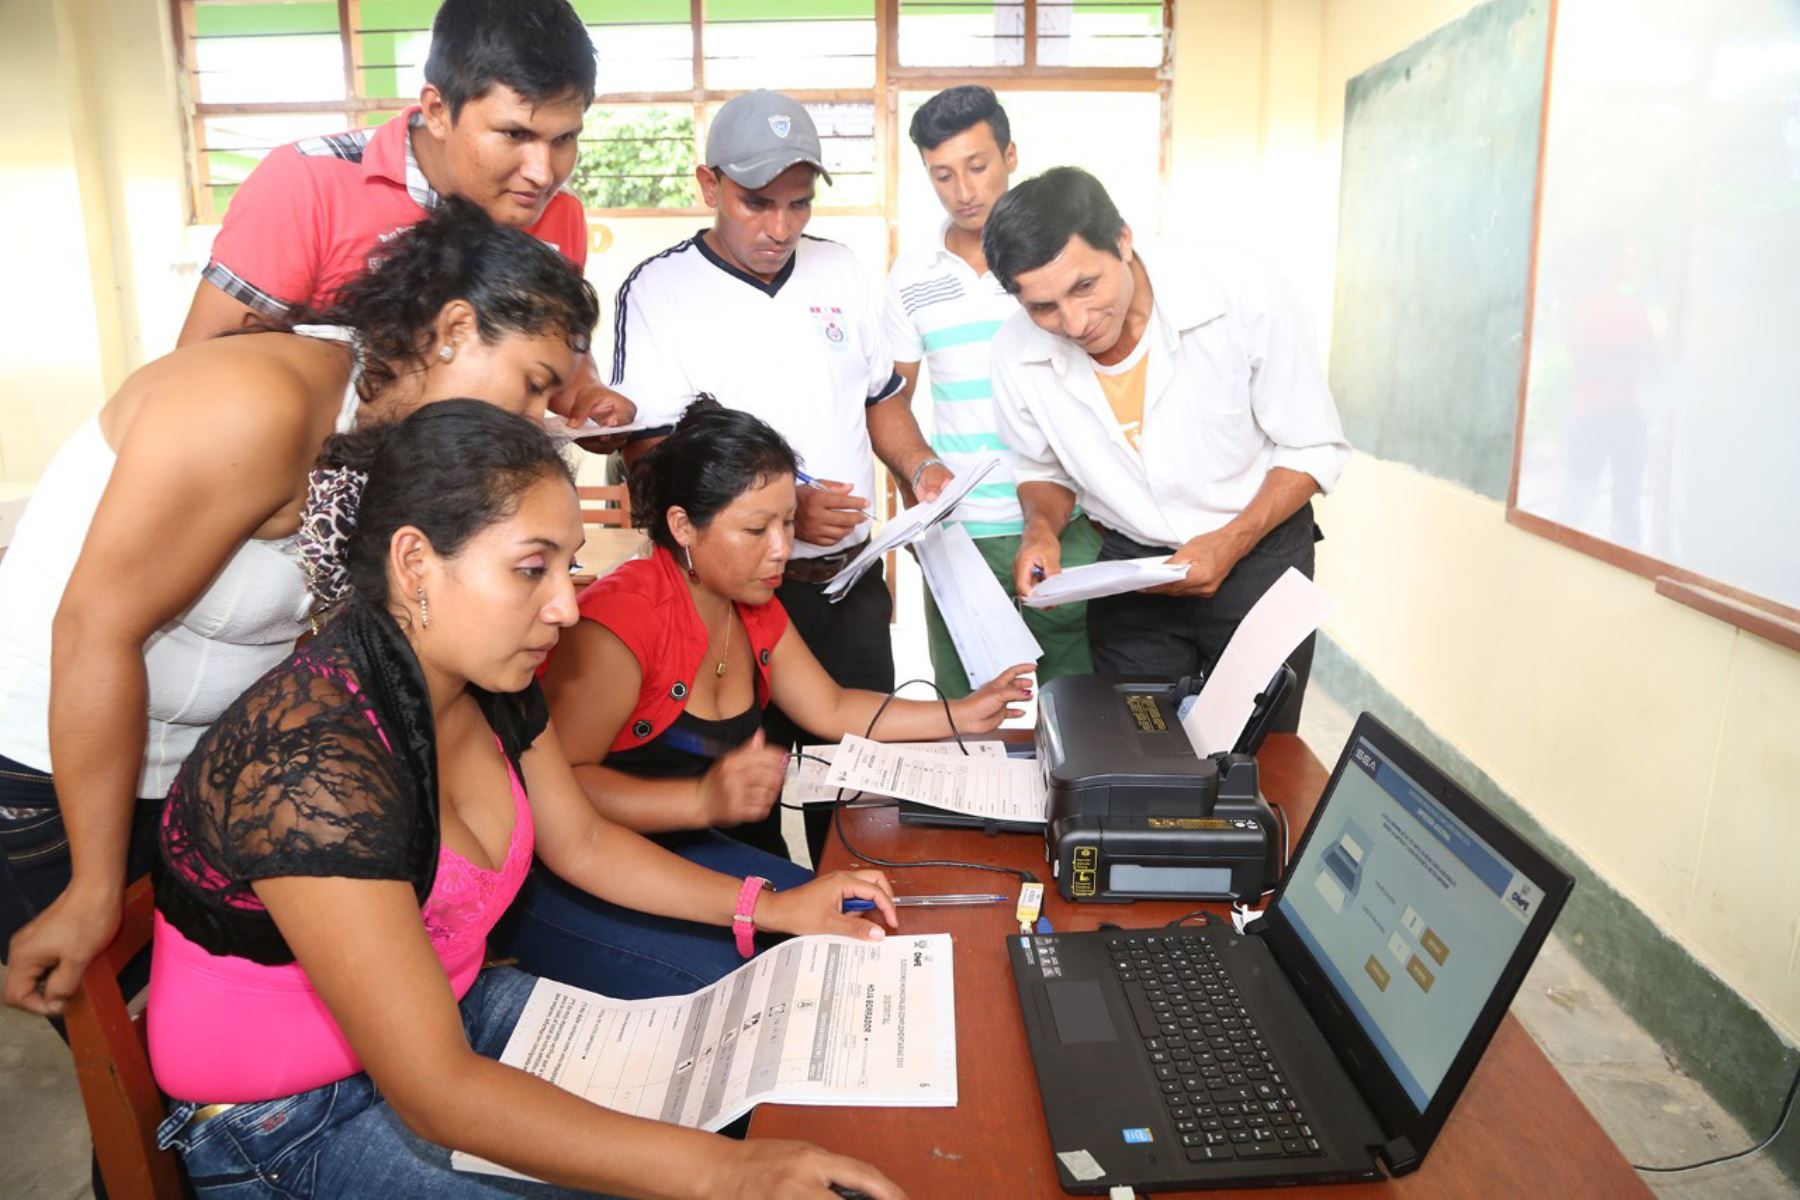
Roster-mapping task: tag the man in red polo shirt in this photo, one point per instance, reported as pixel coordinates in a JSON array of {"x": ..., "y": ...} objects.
[{"x": 507, "y": 85}]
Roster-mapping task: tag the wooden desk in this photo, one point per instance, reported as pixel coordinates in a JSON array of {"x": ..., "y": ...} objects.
[
  {"x": 605, "y": 548},
  {"x": 1517, "y": 1131}
]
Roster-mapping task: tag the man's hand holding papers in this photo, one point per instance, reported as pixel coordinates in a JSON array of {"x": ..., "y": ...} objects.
[
  {"x": 908, "y": 526},
  {"x": 1104, "y": 579}
]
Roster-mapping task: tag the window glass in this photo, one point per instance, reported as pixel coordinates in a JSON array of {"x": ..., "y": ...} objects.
[
  {"x": 253, "y": 53},
  {"x": 955, "y": 33},
  {"x": 790, "y": 44},
  {"x": 1099, "y": 33},
  {"x": 231, "y": 146},
  {"x": 637, "y": 157}
]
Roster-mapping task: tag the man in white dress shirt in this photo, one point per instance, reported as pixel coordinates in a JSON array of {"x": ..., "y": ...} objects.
[{"x": 1172, "y": 392}]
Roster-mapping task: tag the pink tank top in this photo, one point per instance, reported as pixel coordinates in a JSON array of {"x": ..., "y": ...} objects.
[{"x": 228, "y": 1030}]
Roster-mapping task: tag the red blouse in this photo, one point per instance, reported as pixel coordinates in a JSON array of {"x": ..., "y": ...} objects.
[{"x": 646, "y": 604}]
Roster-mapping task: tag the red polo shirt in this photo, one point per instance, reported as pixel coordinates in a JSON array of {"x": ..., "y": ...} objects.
[
  {"x": 647, "y": 605},
  {"x": 313, "y": 214}
]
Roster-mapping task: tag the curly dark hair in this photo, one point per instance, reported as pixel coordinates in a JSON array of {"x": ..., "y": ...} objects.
[{"x": 515, "y": 284}]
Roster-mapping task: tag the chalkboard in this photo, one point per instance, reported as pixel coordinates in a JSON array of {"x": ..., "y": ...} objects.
[
  {"x": 1661, "y": 422},
  {"x": 1434, "y": 243}
]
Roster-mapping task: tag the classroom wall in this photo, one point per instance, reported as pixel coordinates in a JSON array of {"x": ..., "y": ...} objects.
[
  {"x": 1655, "y": 742},
  {"x": 92, "y": 214}
]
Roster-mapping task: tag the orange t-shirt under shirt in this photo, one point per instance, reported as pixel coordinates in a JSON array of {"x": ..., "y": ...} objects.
[{"x": 1123, "y": 387}]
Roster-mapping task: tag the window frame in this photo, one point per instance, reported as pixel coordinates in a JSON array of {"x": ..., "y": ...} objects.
[{"x": 891, "y": 78}]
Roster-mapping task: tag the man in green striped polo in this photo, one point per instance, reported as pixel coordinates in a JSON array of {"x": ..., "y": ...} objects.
[{"x": 944, "y": 306}]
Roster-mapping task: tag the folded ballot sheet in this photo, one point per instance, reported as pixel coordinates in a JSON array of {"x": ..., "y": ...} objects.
[
  {"x": 985, "y": 625},
  {"x": 908, "y": 526},
  {"x": 816, "y": 1020}
]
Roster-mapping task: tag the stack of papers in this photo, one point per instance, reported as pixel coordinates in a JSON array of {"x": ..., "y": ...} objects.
[
  {"x": 993, "y": 789},
  {"x": 908, "y": 526},
  {"x": 1104, "y": 579},
  {"x": 817, "y": 1020},
  {"x": 807, "y": 785},
  {"x": 987, "y": 629}
]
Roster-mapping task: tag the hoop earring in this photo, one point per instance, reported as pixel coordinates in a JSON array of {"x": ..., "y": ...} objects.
[
  {"x": 424, "y": 609},
  {"x": 689, "y": 551}
]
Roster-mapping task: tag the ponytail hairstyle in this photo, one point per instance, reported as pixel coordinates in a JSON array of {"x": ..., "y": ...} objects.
[
  {"x": 715, "y": 455},
  {"x": 515, "y": 284},
  {"x": 450, "y": 470}
]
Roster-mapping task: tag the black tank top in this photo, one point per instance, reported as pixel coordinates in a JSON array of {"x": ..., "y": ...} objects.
[{"x": 688, "y": 748}]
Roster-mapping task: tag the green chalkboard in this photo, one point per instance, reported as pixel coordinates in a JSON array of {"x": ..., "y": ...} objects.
[{"x": 1434, "y": 245}]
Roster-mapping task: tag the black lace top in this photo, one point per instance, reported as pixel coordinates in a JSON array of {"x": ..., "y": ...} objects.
[{"x": 326, "y": 766}]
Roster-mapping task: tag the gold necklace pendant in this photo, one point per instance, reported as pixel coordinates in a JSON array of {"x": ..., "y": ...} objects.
[{"x": 724, "y": 655}]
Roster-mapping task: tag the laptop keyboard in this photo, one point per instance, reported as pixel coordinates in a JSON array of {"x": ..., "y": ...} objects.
[{"x": 1227, "y": 1096}]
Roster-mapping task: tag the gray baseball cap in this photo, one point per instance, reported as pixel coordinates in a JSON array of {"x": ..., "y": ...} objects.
[{"x": 757, "y": 136}]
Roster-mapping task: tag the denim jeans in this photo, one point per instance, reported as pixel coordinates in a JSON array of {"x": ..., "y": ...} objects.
[
  {"x": 562, "y": 933},
  {"x": 344, "y": 1139},
  {"x": 34, "y": 856}
]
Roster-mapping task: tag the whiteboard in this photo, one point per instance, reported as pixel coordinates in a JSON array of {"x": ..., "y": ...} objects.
[{"x": 1661, "y": 411}]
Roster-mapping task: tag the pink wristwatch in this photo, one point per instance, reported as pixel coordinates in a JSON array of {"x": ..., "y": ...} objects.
[{"x": 743, "y": 921}]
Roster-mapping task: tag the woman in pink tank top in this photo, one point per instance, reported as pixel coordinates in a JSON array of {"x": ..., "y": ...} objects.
[{"x": 340, "y": 843}]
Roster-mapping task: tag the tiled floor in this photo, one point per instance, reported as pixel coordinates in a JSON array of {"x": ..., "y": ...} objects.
[{"x": 1654, "y": 1112}]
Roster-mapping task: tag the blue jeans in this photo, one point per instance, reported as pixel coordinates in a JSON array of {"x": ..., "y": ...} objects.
[
  {"x": 34, "y": 857},
  {"x": 344, "y": 1139},
  {"x": 562, "y": 933}
]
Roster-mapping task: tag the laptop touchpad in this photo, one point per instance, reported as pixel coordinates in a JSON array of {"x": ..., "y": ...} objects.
[{"x": 1079, "y": 1008}]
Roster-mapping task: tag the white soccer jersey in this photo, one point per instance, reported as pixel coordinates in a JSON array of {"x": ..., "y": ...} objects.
[
  {"x": 803, "y": 352},
  {"x": 939, "y": 309}
]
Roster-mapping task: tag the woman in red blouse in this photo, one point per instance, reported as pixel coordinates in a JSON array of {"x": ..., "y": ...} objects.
[{"x": 660, "y": 688}]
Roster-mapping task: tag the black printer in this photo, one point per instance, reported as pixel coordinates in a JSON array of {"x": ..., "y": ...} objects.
[{"x": 1133, "y": 812}]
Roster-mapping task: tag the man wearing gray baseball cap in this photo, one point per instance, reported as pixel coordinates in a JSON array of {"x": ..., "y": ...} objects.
[
  {"x": 784, "y": 327},
  {"x": 759, "y": 135}
]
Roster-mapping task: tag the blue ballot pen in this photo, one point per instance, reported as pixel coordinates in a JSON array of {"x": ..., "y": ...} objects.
[
  {"x": 858, "y": 905},
  {"x": 805, "y": 479}
]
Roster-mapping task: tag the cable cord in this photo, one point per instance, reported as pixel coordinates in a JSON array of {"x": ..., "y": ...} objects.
[
  {"x": 1787, "y": 1106},
  {"x": 841, "y": 802}
]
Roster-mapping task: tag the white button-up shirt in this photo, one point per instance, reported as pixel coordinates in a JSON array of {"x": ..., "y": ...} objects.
[{"x": 1233, "y": 390}]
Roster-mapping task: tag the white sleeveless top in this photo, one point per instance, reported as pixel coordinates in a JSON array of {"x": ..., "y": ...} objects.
[{"x": 245, "y": 622}]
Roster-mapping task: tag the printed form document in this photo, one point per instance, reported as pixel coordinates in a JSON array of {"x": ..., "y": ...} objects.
[
  {"x": 816, "y": 1020},
  {"x": 808, "y": 786},
  {"x": 995, "y": 789}
]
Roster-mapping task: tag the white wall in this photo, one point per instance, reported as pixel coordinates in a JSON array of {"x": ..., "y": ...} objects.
[{"x": 1656, "y": 742}]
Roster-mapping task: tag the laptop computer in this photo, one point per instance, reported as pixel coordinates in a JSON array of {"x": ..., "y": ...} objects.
[{"x": 1330, "y": 1042}]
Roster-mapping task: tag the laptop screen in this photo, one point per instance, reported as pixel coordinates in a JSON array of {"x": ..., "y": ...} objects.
[{"x": 1410, "y": 914}]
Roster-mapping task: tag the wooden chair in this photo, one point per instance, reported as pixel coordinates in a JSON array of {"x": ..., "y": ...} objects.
[
  {"x": 606, "y": 504},
  {"x": 112, "y": 1063}
]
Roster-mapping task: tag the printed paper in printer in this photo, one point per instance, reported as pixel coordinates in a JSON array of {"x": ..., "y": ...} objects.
[{"x": 1292, "y": 608}]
